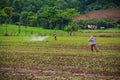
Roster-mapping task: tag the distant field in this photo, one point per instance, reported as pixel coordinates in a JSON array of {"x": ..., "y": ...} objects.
[
  {"x": 67, "y": 58},
  {"x": 13, "y": 30}
]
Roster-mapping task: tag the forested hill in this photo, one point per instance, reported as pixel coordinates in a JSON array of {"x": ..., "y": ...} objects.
[
  {"x": 49, "y": 13},
  {"x": 80, "y": 5}
]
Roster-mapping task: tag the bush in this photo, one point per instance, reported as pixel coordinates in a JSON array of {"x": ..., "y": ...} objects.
[
  {"x": 118, "y": 22},
  {"x": 118, "y": 26},
  {"x": 105, "y": 22},
  {"x": 67, "y": 28},
  {"x": 73, "y": 26}
]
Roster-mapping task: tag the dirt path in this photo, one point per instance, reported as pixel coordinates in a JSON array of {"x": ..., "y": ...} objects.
[{"x": 54, "y": 74}]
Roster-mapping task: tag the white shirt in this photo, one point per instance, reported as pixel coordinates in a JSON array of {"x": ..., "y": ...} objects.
[{"x": 92, "y": 40}]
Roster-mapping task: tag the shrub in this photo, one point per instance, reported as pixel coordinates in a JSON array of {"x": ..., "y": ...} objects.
[
  {"x": 105, "y": 22},
  {"x": 118, "y": 26}
]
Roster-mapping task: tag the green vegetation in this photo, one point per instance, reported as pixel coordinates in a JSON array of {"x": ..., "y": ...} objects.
[
  {"x": 55, "y": 14},
  {"x": 105, "y": 22},
  {"x": 68, "y": 57},
  {"x": 13, "y": 30}
]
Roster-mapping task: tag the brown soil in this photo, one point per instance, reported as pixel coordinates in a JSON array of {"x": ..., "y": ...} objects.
[
  {"x": 109, "y": 13},
  {"x": 63, "y": 67}
]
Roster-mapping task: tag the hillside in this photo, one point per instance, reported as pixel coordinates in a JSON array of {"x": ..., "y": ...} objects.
[{"x": 109, "y": 13}]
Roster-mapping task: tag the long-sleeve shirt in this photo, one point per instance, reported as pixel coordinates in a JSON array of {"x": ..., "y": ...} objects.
[{"x": 92, "y": 40}]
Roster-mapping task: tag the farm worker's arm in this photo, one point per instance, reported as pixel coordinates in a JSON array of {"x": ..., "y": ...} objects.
[{"x": 90, "y": 39}]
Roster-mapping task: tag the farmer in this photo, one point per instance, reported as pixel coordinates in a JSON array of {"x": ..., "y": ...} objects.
[
  {"x": 54, "y": 35},
  {"x": 93, "y": 43}
]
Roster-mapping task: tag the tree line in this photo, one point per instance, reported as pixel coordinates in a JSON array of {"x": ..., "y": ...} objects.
[{"x": 49, "y": 14}]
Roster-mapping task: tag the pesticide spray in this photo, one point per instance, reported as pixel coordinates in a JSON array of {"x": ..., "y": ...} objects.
[
  {"x": 36, "y": 38},
  {"x": 39, "y": 38}
]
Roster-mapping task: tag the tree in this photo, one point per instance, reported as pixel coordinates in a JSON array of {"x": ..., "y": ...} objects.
[
  {"x": 4, "y": 3},
  {"x": 61, "y": 4},
  {"x": 2, "y": 16},
  {"x": 8, "y": 11},
  {"x": 47, "y": 17},
  {"x": 54, "y": 14},
  {"x": 32, "y": 20},
  {"x": 17, "y": 5},
  {"x": 24, "y": 19},
  {"x": 73, "y": 26},
  {"x": 70, "y": 13},
  {"x": 53, "y": 18},
  {"x": 15, "y": 17}
]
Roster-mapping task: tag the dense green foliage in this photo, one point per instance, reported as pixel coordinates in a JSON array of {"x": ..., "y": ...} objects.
[{"x": 51, "y": 14}]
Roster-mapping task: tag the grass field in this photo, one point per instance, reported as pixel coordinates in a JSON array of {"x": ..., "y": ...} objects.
[
  {"x": 67, "y": 58},
  {"x": 13, "y": 30}
]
